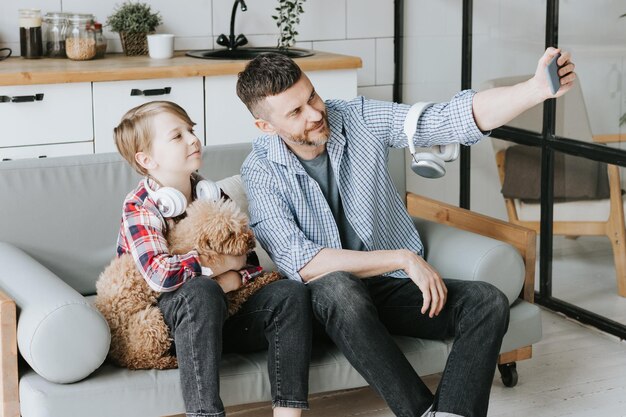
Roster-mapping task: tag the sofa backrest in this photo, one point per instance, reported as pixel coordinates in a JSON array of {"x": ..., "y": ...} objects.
[{"x": 65, "y": 212}]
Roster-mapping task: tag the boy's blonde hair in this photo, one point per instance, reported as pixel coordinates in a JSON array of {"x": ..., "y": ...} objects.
[{"x": 134, "y": 133}]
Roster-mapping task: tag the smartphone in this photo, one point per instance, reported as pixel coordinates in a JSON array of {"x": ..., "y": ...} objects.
[{"x": 553, "y": 75}]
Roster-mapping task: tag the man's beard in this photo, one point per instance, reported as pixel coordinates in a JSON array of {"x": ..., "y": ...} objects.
[{"x": 321, "y": 139}]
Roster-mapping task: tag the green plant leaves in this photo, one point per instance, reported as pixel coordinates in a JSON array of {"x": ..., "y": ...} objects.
[
  {"x": 287, "y": 19},
  {"x": 134, "y": 18}
]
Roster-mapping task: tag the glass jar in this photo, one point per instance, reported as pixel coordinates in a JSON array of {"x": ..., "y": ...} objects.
[
  {"x": 31, "y": 44},
  {"x": 55, "y": 28},
  {"x": 80, "y": 41},
  {"x": 101, "y": 41}
]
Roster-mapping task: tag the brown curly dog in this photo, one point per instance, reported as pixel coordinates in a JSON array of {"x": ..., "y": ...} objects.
[{"x": 140, "y": 339}]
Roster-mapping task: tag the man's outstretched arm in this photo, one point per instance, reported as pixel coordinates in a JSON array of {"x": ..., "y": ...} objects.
[{"x": 497, "y": 106}]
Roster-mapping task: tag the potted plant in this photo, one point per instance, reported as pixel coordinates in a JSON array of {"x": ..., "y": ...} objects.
[
  {"x": 134, "y": 21},
  {"x": 287, "y": 19}
]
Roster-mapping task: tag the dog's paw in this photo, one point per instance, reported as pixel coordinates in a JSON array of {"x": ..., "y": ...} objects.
[{"x": 240, "y": 296}]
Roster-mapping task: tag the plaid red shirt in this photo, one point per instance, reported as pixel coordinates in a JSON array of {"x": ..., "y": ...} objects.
[{"x": 142, "y": 234}]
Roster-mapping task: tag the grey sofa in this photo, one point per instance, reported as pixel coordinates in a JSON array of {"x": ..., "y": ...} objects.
[{"x": 59, "y": 222}]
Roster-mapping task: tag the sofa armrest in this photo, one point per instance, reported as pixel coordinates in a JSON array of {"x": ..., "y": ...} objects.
[
  {"x": 9, "y": 397},
  {"x": 521, "y": 238},
  {"x": 61, "y": 336},
  {"x": 462, "y": 255}
]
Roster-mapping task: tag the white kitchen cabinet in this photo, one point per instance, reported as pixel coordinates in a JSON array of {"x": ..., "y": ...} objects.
[
  {"x": 60, "y": 107},
  {"x": 46, "y": 151},
  {"x": 45, "y": 114},
  {"x": 229, "y": 121},
  {"x": 227, "y": 118},
  {"x": 112, "y": 99}
]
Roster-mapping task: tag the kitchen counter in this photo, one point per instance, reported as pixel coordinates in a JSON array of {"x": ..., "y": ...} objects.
[
  {"x": 77, "y": 103},
  {"x": 115, "y": 67}
]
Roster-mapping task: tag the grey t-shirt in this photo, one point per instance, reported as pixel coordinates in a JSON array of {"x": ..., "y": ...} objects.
[{"x": 321, "y": 170}]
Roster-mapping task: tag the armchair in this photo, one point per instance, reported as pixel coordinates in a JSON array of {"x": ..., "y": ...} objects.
[{"x": 575, "y": 218}]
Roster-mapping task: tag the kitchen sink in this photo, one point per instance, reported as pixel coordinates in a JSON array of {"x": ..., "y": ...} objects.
[{"x": 247, "y": 53}]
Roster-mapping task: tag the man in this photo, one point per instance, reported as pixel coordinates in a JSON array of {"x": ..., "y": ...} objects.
[{"x": 324, "y": 207}]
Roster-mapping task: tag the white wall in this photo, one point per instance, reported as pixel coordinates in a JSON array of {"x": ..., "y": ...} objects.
[
  {"x": 356, "y": 27},
  {"x": 508, "y": 39}
]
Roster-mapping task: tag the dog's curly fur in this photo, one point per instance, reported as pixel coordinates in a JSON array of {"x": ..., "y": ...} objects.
[{"x": 140, "y": 339}]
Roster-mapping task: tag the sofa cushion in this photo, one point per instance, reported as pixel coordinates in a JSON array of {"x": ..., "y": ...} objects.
[
  {"x": 53, "y": 202},
  {"x": 524, "y": 326},
  {"x": 233, "y": 187},
  {"x": 113, "y": 391},
  {"x": 119, "y": 392},
  {"x": 61, "y": 336}
]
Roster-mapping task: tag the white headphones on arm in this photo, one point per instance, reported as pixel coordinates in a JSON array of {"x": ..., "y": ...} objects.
[
  {"x": 427, "y": 164},
  {"x": 171, "y": 202}
]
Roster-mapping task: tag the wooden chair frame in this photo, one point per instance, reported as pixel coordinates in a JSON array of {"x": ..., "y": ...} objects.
[
  {"x": 521, "y": 238},
  {"x": 9, "y": 396},
  {"x": 613, "y": 227}
]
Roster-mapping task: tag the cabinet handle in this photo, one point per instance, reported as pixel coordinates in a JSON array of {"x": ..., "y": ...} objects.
[
  {"x": 6, "y": 159},
  {"x": 21, "y": 99},
  {"x": 153, "y": 92}
]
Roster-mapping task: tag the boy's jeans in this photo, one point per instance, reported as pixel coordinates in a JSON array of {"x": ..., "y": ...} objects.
[
  {"x": 277, "y": 317},
  {"x": 360, "y": 314}
]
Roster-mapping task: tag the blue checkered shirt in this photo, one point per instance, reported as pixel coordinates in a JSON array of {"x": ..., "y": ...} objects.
[{"x": 288, "y": 212}]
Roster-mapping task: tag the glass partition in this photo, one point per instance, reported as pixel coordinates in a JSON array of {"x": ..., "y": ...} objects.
[
  {"x": 578, "y": 210},
  {"x": 586, "y": 258},
  {"x": 589, "y": 242}
]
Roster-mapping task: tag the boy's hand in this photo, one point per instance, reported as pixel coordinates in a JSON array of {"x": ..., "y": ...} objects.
[
  {"x": 235, "y": 263},
  {"x": 229, "y": 281},
  {"x": 224, "y": 263}
]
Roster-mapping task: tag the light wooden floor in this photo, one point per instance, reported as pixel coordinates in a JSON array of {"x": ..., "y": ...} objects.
[
  {"x": 583, "y": 273},
  {"x": 575, "y": 372}
]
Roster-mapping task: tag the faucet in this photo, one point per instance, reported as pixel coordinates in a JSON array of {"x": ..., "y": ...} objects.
[{"x": 231, "y": 42}]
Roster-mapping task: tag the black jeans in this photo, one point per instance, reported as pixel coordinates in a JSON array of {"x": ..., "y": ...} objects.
[
  {"x": 359, "y": 315},
  {"x": 277, "y": 317}
]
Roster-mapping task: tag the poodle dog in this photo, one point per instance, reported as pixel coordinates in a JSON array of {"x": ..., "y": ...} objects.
[{"x": 140, "y": 339}]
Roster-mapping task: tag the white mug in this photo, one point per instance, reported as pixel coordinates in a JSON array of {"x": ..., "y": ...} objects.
[{"x": 161, "y": 45}]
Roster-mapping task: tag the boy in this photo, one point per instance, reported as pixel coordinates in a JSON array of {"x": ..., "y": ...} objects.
[{"x": 158, "y": 141}]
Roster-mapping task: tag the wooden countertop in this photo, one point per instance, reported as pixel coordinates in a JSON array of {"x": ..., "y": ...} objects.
[{"x": 115, "y": 67}]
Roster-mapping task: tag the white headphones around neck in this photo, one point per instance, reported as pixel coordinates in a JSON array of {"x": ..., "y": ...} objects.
[
  {"x": 171, "y": 202},
  {"x": 427, "y": 164}
]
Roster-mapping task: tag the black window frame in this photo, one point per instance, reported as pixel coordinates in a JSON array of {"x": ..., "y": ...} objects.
[{"x": 546, "y": 140}]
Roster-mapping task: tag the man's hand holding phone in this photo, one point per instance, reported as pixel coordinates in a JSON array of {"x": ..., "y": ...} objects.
[
  {"x": 555, "y": 72},
  {"x": 552, "y": 73}
]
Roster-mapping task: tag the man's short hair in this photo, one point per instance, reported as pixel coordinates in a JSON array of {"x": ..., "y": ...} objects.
[
  {"x": 266, "y": 75},
  {"x": 134, "y": 133}
]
